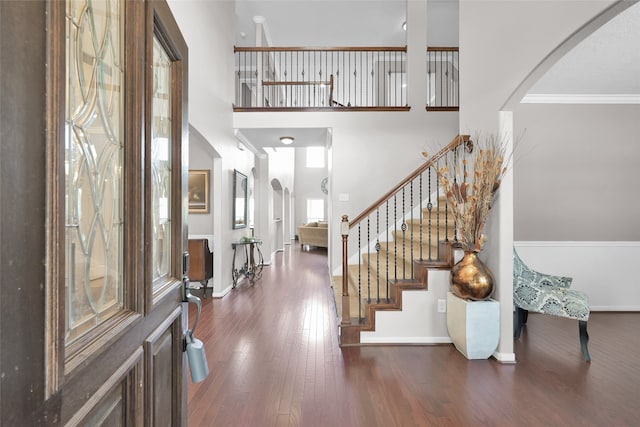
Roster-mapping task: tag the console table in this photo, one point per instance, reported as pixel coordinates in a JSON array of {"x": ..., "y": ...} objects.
[{"x": 253, "y": 260}]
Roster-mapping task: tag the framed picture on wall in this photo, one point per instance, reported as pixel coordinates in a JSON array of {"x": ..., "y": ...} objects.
[
  {"x": 199, "y": 191},
  {"x": 239, "y": 200}
]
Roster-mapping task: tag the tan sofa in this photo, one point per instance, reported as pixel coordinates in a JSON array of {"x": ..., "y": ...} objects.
[{"x": 314, "y": 234}]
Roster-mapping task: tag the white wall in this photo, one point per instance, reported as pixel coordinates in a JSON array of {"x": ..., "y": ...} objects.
[
  {"x": 208, "y": 28},
  {"x": 442, "y": 19},
  {"x": 512, "y": 40},
  {"x": 502, "y": 42},
  {"x": 279, "y": 167},
  {"x": 371, "y": 152},
  {"x": 606, "y": 271},
  {"x": 307, "y": 186}
]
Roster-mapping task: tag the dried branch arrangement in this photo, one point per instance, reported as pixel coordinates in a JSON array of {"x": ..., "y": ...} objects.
[{"x": 470, "y": 181}]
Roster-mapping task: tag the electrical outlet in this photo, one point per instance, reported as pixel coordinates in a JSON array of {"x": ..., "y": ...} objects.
[{"x": 442, "y": 306}]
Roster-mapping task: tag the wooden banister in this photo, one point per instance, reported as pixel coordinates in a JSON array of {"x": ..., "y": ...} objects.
[
  {"x": 458, "y": 140},
  {"x": 295, "y": 83},
  {"x": 442, "y": 49},
  {"x": 320, "y": 49}
]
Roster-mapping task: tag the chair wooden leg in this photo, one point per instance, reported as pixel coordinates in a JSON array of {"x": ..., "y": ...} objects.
[
  {"x": 584, "y": 339},
  {"x": 519, "y": 321}
]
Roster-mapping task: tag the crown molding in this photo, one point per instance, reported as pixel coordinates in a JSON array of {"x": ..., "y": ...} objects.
[{"x": 557, "y": 98}]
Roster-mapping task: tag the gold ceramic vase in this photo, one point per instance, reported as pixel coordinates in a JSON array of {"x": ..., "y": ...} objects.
[{"x": 471, "y": 278}]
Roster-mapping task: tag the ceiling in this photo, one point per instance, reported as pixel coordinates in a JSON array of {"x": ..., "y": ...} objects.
[
  {"x": 270, "y": 137},
  {"x": 605, "y": 63},
  {"x": 323, "y": 22}
]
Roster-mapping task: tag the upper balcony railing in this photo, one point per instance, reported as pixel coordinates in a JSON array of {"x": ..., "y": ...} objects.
[
  {"x": 343, "y": 78},
  {"x": 346, "y": 78},
  {"x": 443, "y": 78}
]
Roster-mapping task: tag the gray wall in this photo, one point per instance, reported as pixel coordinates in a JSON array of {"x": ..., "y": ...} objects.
[{"x": 576, "y": 173}]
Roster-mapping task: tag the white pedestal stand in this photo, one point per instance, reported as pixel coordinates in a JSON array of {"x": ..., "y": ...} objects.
[{"x": 474, "y": 326}]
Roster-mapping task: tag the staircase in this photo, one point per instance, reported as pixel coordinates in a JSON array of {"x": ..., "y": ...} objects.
[{"x": 392, "y": 245}]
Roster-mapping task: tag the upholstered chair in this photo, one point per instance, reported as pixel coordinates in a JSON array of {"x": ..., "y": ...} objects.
[{"x": 544, "y": 293}]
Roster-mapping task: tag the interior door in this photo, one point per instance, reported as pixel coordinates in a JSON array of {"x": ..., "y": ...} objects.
[{"x": 99, "y": 327}]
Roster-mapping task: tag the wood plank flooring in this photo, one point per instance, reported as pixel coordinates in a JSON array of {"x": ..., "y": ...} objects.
[{"x": 275, "y": 361}]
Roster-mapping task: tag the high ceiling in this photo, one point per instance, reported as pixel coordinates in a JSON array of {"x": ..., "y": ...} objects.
[
  {"x": 605, "y": 63},
  {"x": 323, "y": 22}
]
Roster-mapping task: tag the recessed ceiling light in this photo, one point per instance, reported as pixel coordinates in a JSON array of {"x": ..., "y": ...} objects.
[{"x": 286, "y": 140}]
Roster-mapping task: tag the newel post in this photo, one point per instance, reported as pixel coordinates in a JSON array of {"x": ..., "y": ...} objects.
[{"x": 344, "y": 230}]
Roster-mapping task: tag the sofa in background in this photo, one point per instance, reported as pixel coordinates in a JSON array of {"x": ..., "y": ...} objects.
[{"x": 314, "y": 234}]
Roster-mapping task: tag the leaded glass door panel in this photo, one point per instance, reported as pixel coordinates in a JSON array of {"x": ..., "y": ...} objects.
[
  {"x": 116, "y": 104},
  {"x": 94, "y": 145}
]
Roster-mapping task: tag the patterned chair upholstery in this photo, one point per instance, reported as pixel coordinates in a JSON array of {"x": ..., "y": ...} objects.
[{"x": 544, "y": 293}]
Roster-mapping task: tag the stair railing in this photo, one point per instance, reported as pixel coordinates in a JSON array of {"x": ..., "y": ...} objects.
[{"x": 407, "y": 227}]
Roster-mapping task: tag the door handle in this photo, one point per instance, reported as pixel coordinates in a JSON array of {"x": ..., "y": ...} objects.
[
  {"x": 187, "y": 296},
  {"x": 194, "y": 347},
  {"x": 192, "y": 299}
]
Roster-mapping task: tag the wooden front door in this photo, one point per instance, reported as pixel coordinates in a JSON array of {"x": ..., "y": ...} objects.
[{"x": 93, "y": 168}]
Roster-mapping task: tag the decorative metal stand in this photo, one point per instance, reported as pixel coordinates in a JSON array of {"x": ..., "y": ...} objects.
[{"x": 252, "y": 268}]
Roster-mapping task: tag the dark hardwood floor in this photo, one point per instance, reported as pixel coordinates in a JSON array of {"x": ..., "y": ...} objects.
[{"x": 274, "y": 360}]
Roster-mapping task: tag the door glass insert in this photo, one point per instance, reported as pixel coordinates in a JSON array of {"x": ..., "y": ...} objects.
[
  {"x": 161, "y": 171},
  {"x": 93, "y": 163}
]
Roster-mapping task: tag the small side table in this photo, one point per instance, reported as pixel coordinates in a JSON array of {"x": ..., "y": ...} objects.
[
  {"x": 252, "y": 267},
  {"x": 474, "y": 326}
]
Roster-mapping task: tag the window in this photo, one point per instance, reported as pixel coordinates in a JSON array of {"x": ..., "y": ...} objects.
[
  {"x": 315, "y": 210},
  {"x": 315, "y": 157}
]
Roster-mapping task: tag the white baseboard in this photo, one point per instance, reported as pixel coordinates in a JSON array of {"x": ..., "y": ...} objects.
[
  {"x": 223, "y": 293},
  {"x": 404, "y": 340},
  {"x": 574, "y": 244},
  {"x": 272, "y": 257},
  {"x": 505, "y": 357},
  {"x": 615, "y": 308}
]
